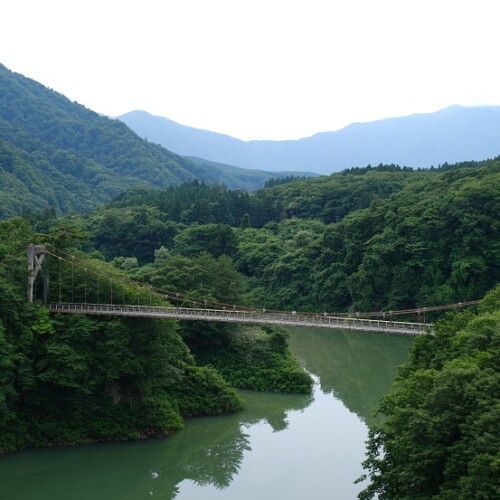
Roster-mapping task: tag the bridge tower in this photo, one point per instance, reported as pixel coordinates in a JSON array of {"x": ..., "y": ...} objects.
[{"x": 36, "y": 256}]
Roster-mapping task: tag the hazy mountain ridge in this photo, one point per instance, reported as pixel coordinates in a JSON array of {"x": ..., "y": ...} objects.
[{"x": 451, "y": 135}]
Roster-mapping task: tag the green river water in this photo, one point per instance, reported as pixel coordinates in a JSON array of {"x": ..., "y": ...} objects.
[{"x": 291, "y": 447}]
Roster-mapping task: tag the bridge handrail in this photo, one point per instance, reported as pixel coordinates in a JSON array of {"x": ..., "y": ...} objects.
[{"x": 241, "y": 315}]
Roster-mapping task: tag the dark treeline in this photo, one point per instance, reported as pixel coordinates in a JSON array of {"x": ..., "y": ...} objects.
[
  {"x": 276, "y": 181},
  {"x": 200, "y": 203},
  {"x": 327, "y": 198},
  {"x": 195, "y": 202}
]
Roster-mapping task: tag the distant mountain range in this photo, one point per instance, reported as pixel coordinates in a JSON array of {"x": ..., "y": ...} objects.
[
  {"x": 451, "y": 135},
  {"x": 55, "y": 153}
]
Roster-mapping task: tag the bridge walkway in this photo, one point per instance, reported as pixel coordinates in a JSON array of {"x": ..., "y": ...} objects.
[{"x": 245, "y": 316}]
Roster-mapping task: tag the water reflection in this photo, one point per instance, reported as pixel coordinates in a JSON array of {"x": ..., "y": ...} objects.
[
  {"x": 358, "y": 368},
  {"x": 207, "y": 451}
]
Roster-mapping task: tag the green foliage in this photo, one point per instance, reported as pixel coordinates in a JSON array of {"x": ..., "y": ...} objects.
[
  {"x": 8, "y": 394},
  {"x": 194, "y": 202},
  {"x": 95, "y": 379},
  {"x": 276, "y": 181},
  {"x": 205, "y": 392},
  {"x": 216, "y": 239},
  {"x": 203, "y": 277},
  {"x": 277, "y": 340},
  {"x": 134, "y": 232},
  {"x": 440, "y": 438},
  {"x": 431, "y": 237},
  {"x": 258, "y": 360}
]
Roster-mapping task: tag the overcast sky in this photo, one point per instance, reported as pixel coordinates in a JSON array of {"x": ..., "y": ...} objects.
[{"x": 259, "y": 69}]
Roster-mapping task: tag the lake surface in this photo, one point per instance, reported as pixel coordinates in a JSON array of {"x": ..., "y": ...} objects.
[{"x": 291, "y": 447}]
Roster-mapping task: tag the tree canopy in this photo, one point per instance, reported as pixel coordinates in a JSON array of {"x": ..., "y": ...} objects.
[{"x": 440, "y": 438}]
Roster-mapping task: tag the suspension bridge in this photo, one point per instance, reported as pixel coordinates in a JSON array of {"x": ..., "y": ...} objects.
[
  {"x": 92, "y": 291},
  {"x": 244, "y": 316}
]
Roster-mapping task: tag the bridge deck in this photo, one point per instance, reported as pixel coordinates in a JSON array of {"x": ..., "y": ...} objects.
[{"x": 243, "y": 316}]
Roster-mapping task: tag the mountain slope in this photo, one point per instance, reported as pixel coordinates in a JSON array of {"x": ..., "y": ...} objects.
[
  {"x": 57, "y": 153},
  {"x": 451, "y": 135}
]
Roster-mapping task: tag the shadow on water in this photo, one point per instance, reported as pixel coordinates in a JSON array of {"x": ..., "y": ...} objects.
[
  {"x": 208, "y": 451},
  {"x": 356, "y": 367}
]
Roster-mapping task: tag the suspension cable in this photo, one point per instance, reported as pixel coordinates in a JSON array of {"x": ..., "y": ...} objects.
[
  {"x": 175, "y": 297},
  {"x": 60, "y": 280}
]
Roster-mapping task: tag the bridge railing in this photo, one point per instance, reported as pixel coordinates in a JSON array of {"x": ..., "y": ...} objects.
[{"x": 245, "y": 316}]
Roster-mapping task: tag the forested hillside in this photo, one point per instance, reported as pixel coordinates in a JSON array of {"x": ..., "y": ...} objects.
[
  {"x": 383, "y": 238},
  {"x": 56, "y": 154},
  {"x": 441, "y": 435}
]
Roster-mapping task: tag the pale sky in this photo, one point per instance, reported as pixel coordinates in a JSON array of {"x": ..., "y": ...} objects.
[{"x": 259, "y": 69}]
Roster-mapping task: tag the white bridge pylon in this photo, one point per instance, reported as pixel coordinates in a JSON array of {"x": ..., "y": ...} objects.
[{"x": 36, "y": 256}]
